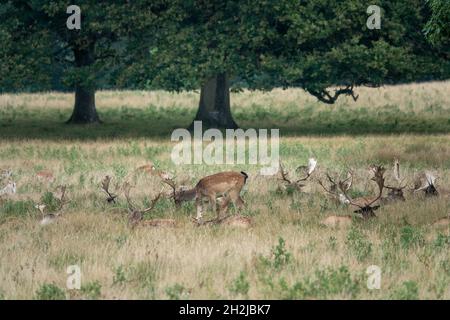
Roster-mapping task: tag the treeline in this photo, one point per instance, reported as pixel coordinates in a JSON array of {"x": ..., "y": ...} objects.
[{"x": 218, "y": 45}]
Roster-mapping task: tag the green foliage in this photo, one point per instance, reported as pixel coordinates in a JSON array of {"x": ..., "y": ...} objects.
[
  {"x": 411, "y": 237},
  {"x": 50, "y": 291},
  {"x": 409, "y": 290},
  {"x": 19, "y": 208},
  {"x": 442, "y": 241},
  {"x": 240, "y": 285},
  {"x": 437, "y": 28},
  {"x": 119, "y": 276},
  {"x": 358, "y": 244},
  {"x": 281, "y": 256},
  {"x": 324, "y": 283},
  {"x": 176, "y": 292},
  {"x": 91, "y": 290}
]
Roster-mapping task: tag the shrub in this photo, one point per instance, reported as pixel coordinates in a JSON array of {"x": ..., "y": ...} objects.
[
  {"x": 50, "y": 291},
  {"x": 408, "y": 291},
  {"x": 240, "y": 285},
  {"x": 176, "y": 292},
  {"x": 91, "y": 290}
]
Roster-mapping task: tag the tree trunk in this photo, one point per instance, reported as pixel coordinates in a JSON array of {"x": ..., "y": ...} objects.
[
  {"x": 84, "y": 110},
  {"x": 214, "y": 107}
]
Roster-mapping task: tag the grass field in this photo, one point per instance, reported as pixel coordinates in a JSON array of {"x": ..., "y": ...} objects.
[{"x": 287, "y": 254}]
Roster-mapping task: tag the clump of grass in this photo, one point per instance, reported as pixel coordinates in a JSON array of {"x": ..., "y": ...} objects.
[
  {"x": 50, "y": 291},
  {"x": 408, "y": 290},
  {"x": 358, "y": 244},
  {"x": 240, "y": 285}
]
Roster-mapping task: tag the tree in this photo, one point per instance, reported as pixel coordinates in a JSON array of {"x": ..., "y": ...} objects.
[
  {"x": 437, "y": 28},
  {"x": 324, "y": 47},
  {"x": 88, "y": 53}
]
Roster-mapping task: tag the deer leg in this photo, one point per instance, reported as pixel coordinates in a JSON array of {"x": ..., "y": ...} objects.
[
  {"x": 236, "y": 198},
  {"x": 224, "y": 206},
  {"x": 199, "y": 205}
]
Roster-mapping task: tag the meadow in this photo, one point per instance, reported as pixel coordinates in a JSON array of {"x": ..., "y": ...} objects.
[{"x": 286, "y": 254}]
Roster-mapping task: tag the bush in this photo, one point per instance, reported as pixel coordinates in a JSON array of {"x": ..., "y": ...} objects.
[
  {"x": 50, "y": 291},
  {"x": 408, "y": 291},
  {"x": 323, "y": 284},
  {"x": 240, "y": 285},
  {"x": 92, "y": 290},
  {"x": 176, "y": 292}
]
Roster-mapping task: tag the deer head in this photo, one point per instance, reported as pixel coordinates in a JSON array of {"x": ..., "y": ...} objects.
[
  {"x": 181, "y": 194},
  {"x": 333, "y": 189},
  {"x": 426, "y": 182},
  {"x": 367, "y": 209},
  {"x": 396, "y": 192},
  {"x": 296, "y": 184},
  {"x": 135, "y": 214}
]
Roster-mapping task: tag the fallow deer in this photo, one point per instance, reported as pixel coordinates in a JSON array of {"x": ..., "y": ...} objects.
[
  {"x": 333, "y": 190},
  {"x": 426, "y": 182},
  {"x": 136, "y": 215},
  {"x": 48, "y": 218},
  {"x": 365, "y": 204},
  {"x": 226, "y": 184},
  {"x": 395, "y": 192},
  {"x": 296, "y": 184},
  {"x": 105, "y": 187}
]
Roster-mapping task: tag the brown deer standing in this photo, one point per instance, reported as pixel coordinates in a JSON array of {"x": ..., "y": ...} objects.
[{"x": 226, "y": 184}]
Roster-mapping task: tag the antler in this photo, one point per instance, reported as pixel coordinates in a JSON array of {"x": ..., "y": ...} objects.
[
  {"x": 397, "y": 177},
  {"x": 284, "y": 174},
  {"x": 312, "y": 163},
  {"x": 379, "y": 179},
  {"x": 105, "y": 187},
  {"x": 153, "y": 203},
  {"x": 126, "y": 189},
  {"x": 62, "y": 199},
  {"x": 172, "y": 184}
]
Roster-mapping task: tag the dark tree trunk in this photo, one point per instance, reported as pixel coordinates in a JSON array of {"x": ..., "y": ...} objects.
[
  {"x": 214, "y": 107},
  {"x": 84, "y": 110}
]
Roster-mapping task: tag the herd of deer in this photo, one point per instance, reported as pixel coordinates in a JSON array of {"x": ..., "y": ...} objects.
[{"x": 224, "y": 188}]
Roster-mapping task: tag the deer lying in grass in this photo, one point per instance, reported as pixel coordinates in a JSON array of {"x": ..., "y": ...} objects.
[
  {"x": 48, "y": 218},
  {"x": 296, "y": 184},
  {"x": 226, "y": 184},
  {"x": 105, "y": 187},
  {"x": 426, "y": 182},
  {"x": 136, "y": 215},
  {"x": 333, "y": 190},
  {"x": 366, "y": 205},
  {"x": 395, "y": 193}
]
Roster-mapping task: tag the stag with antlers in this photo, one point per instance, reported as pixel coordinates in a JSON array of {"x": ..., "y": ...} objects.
[
  {"x": 366, "y": 205},
  {"x": 136, "y": 215},
  {"x": 105, "y": 187},
  {"x": 426, "y": 183},
  {"x": 395, "y": 193},
  {"x": 333, "y": 189},
  {"x": 296, "y": 184}
]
